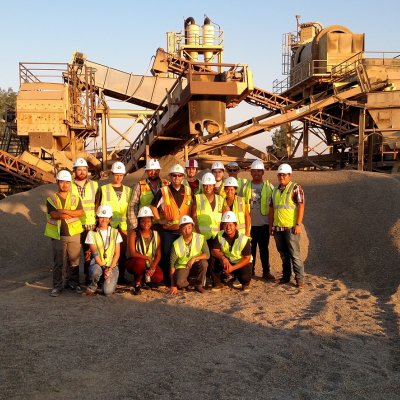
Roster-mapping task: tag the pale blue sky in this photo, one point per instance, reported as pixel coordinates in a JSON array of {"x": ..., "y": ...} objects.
[{"x": 125, "y": 34}]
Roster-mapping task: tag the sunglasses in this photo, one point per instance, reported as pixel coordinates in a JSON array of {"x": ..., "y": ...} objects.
[
  {"x": 233, "y": 169},
  {"x": 177, "y": 175}
]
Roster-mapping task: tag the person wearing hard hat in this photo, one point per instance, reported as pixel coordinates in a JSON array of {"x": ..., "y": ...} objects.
[
  {"x": 105, "y": 245},
  {"x": 238, "y": 205},
  {"x": 189, "y": 255},
  {"x": 233, "y": 170},
  {"x": 286, "y": 211},
  {"x": 168, "y": 206},
  {"x": 64, "y": 228},
  {"x": 257, "y": 193},
  {"x": 87, "y": 190},
  {"x": 144, "y": 191},
  {"x": 233, "y": 253},
  {"x": 218, "y": 170},
  {"x": 118, "y": 196},
  {"x": 191, "y": 168},
  {"x": 207, "y": 213},
  {"x": 145, "y": 250}
]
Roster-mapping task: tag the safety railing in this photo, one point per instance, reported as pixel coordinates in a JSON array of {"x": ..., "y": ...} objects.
[{"x": 30, "y": 72}]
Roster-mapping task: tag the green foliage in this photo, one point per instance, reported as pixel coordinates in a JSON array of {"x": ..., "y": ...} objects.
[
  {"x": 8, "y": 101},
  {"x": 280, "y": 139}
]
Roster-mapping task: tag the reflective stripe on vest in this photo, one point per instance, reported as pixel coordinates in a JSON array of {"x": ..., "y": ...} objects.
[
  {"x": 235, "y": 254},
  {"x": 180, "y": 248},
  {"x": 285, "y": 209},
  {"x": 242, "y": 182},
  {"x": 106, "y": 255},
  {"x": 238, "y": 208},
  {"x": 119, "y": 207},
  {"x": 53, "y": 226},
  {"x": 209, "y": 220},
  {"x": 146, "y": 194},
  {"x": 266, "y": 193},
  {"x": 171, "y": 211},
  {"x": 88, "y": 201},
  {"x": 152, "y": 249}
]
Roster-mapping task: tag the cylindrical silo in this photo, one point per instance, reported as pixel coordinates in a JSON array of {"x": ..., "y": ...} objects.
[
  {"x": 192, "y": 37},
  {"x": 208, "y": 38}
]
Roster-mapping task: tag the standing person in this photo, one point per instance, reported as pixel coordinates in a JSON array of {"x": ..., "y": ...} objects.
[
  {"x": 117, "y": 196},
  {"x": 218, "y": 170},
  {"x": 189, "y": 255},
  {"x": 145, "y": 249},
  {"x": 172, "y": 202},
  {"x": 233, "y": 253},
  {"x": 191, "y": 168},
  {"x": 64, "y": 228},
  {"x": 286, "y": 213},
  {"x": 104, "y": 244},
  {"x": 238, "y": 205},
  {"x": 145, "y": 190},
  {"x": 207, "y": 213},
  {"x": 233, "y": 170},
  {"x": 86, "y": 189},
  {"x": 258, "y": 196}
]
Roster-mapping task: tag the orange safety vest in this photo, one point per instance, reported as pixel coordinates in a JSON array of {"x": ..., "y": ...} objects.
[{"x": 172, "y": 212}]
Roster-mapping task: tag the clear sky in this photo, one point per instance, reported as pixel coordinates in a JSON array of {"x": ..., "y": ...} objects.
[{"x": 125, "y": 34}]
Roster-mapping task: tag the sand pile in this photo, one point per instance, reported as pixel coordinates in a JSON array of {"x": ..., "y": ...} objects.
[{"x": 336, "y": 339}]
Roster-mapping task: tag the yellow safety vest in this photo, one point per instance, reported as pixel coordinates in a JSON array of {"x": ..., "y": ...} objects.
[
  {"x": 88, "y": 201},
  {"x": 198, "y": 190},
  {"x": 266, "y": 193},
  {"x": 152, "y": 249},
  {"x": 146, "y": 195},
  {"x": 238, "y": 209},
  {"x": 209, "y": 220},
  {"x": 235, "y": 254},
  {"x": 53, "y": 226},
  {"x": 221, "y": 192},
  {"x": 119, "y": 207},
  {"x": 106, "y": 255},
  {"x": 181, "y": 248},
  {"x": 242, "y": 182},
  {"x": 285, "y": 209}
]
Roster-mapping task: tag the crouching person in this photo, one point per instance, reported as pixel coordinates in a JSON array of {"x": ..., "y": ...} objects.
[
  {"x": 189, "y": 257},
  {"x": 233, "y": 252},
  {"x": 105, "y": 248},
  {"x": 145, "y": 249}
]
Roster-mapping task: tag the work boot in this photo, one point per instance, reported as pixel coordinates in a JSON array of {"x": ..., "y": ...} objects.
[{"x": 200, "y": 289}]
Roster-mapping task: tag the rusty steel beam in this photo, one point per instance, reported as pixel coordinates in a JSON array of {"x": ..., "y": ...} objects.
[
  {"x": 24, "y": 171},
  {"x": 292, "y": 115}
]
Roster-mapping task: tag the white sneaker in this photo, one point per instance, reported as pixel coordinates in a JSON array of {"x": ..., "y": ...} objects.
[
  {"x": 236, "y": 284},
  {"x": 55, "y": 292}
]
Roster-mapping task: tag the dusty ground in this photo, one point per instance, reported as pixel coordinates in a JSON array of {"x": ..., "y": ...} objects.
[{"x": 336, "y": 339}]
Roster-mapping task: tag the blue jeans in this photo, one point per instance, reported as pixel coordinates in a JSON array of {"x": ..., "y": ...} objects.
[
  {"x": 109, "y": 284},
  {"x": 288, "y": 245}
]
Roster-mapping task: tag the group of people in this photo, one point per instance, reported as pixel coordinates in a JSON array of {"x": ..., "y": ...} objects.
[{"x": 186, "y": 233}]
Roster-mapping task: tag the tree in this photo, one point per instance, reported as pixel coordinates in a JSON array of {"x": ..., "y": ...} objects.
[
  {"x": 8, "y": 101},
  {"x": 281, "y": 140}
]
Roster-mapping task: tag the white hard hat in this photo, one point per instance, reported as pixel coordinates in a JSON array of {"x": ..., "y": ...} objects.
[
  {"x": 257, "y": 164},
  {"x": 232, "y": 164},
  {"x": 145, "y": 212},
  {"x": 229, "y": 216},
  {"x": 64, "y": 175},
  {"x": 231, "y": 181},
  {"x": 191, "y": 164},
  {"x": 152, "y": 163},
  {"x": 217, "y": 165},
  {"x": 80, "y": 162},
  {"x": 177, "y": 169},
  {"x": 284, "y": 169},
  {"x": 208, "y": 179},
  {"x": 104, "y": 211},
  {"x": 118, "y": 168},
  {"x": 186, "y": 220}
]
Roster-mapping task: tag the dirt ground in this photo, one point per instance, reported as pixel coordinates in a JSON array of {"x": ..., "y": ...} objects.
[{"x": 338, "y": 338}]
